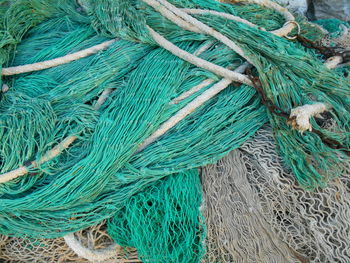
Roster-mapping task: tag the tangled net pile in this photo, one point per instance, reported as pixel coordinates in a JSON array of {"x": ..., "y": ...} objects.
[
  {"x": 56, "y": 250},
  {"x": 257, "y": 213},
  {"x": 108, "y": 109}
]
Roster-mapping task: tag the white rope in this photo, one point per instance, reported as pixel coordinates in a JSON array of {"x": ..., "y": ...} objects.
[
  {"x": 182, "y": 23},
  {"x": 57, "y": 150},
  {"x": 218, "y": 70},
  {"x": 288, "y": 27},
  {"x": 193, "y": 11},
  {"x": 181, "y": 15},
  {"x": 298, "y": 27},
  {"x": 333, "y": 62},
  {"x": 93, "y": 255},
  {"x": 47, "y": 157},
  {"x": 282, "y": 32},
  {"x": 203, "y": 48},
  {"x": 192, "y": 91},
  {"x": 201, "y": 26},
  {"x": 300, "y": 116},
  {"x": 102, "y": 99},
  {"x": 57, "y": 61},
  {"x": 189, "y": 108}
]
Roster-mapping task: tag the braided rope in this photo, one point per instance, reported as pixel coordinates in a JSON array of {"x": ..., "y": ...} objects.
[
  {"x": 58, "y": 149},
  {"x": 177, "y": 16},
  {"x": 57, "y": 61},
  {"x": 190, "y": 107},
  {"x": 284, "y": 31},
  {"x": 193, "y": 11},
  {"x": 157, "y": 5},
  {"x": 90, "y": 254},
  {"x": 218, "y": 70},
  {"x": 333, "y": 62}
]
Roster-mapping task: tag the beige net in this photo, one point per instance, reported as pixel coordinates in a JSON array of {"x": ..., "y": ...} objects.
[
  {"x": 17, "y": 250},
  {"x": 256, "y": 212},
  {"x": 341, "y": 42}
]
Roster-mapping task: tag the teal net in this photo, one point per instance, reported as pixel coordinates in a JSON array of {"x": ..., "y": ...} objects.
[
  {"x": 164, "y": 221},
  {"x": 152, "y": 197},
  {"x": 332, "y": 25}
]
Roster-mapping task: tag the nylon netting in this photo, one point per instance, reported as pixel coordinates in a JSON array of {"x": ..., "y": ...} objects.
[
  {"x": 163, "y": 223},
  {"x": 256, "y": 212},
  {"x": 89, "y": 139},
  {"x": 24, "y": 250}
]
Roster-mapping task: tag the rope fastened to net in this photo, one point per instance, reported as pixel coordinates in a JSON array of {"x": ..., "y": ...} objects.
[{"x": 120, "y": 134}]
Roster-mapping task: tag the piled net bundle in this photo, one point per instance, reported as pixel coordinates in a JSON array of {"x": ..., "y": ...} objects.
[
  {"x": 256, "y": 212},
  {"x": 108, "y": 107},
  {"x": 28, "y": 250}
]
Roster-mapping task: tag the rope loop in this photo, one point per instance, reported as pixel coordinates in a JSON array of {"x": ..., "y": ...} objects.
[{"x": 298, "y": 27}]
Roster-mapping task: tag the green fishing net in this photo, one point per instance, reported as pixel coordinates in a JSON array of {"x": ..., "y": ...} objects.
[
  {"x": 332, "y": 25},
  {"x": 152, "y": 197},
  {"x": 163, "y": 222}
]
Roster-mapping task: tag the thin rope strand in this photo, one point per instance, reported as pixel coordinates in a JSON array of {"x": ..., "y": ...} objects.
[
  {"x": 57, "y": 61},
  {"x": 194, "y": 11},
  {"x": 195, "y": 89},
  {"x": 189, "y": 108},
  {"x": 57, "y": 150},
  {"x": 201, "y": 26},
  {"x": 288, "y": 27},
  {"x": 218, "y": 70},
  {"x": 90, "y": 254}
]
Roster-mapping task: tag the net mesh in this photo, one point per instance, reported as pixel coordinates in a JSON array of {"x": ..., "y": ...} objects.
[
  {"x": 23, "y": 250},
  {"x": 163, "y": 223},
  {"x": 253, "y": 208},
  {"x": 256, "y": 212},
  {"x": 103, "y": 175},
  {"x": 338, "y": 36}
]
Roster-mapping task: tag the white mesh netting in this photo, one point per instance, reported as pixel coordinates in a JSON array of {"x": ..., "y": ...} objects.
[{"x": 256, "y": 212}]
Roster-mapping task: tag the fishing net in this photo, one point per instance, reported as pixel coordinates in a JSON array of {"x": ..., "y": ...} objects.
[
  {"x": 27, "y": 250},
  {"x": 109, "y": 107},
  {"x": 163, "y": 223},
  {"x": 256, "y": 212},
  {"x": 338, "y": 33}
]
